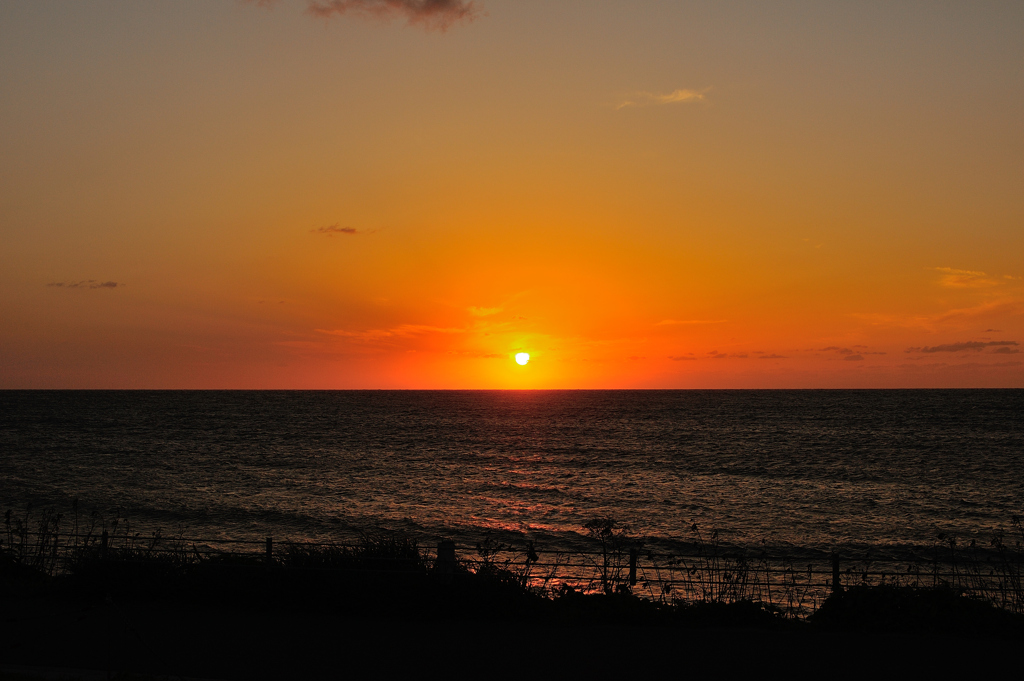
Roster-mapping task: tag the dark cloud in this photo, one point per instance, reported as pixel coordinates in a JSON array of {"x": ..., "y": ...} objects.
[
  {"x": 681, "y": 358},
  {"x": 967, "y": 366},
  {"x": 88, "y": 283},
  {"x": 331, "y": 230},
  {"x": 772, "y": 356},
  {"x": 715, "y": 354},
  {"x": 976, "y": 346},
  {"x": 439, "y": 14},
  {"x": 851, "y": 355},
  {"x": 1005, "y": 351}
]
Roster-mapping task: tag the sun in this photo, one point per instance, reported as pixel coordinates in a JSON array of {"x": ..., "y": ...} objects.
[{"x": 522, "y": 358}]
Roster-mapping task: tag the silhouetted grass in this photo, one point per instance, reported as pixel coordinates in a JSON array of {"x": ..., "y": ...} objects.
[{"x": 387, "y": 573}]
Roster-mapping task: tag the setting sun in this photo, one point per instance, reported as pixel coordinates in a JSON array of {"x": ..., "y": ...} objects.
[{"x": 679, "y": 196}]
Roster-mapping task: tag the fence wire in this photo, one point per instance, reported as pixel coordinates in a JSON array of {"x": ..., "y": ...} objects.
[{"x": 797, "y": 586}]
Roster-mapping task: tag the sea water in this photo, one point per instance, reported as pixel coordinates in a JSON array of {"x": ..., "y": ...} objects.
[{"x": 799, "y": 471}]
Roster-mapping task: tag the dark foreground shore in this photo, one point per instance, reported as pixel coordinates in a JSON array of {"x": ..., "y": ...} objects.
[
  {"x": 96, "y": 609},
  {"x": 87, "y": 638}
]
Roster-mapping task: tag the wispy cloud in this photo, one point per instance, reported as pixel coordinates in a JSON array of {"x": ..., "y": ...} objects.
[
  {"x": 654, "y": 99},
  {"x": 715, "y": 354},
  {"x": 431, "y": 14},
  {"x": 87, "y": 283},
  {"x": 961, "y": 367},
  {"x": 772, "y": 356},
  {"x": 975, "y": 346},
  {"x": 331, "y": 230},
  {"x": 681, "y": 358},
  {"x": 849, "y": 354},
  {"x": 954, "y": 278},
  {"x": 957, "y": 317},
  {"x": 483, "y": 311},
  {"x": 682, "y": 322},
  {"x": 995, "y": 308},
  {"x": 400, "y": 331}
]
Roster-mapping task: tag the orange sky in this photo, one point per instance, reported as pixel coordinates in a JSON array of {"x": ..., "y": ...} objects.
[{"x": 640, "y": 195}]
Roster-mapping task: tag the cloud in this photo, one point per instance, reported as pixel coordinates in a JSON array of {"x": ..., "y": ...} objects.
[
  {"x": 400, "y": 331},
  {"x": 960, "y": 316},
  {"x": 681, "y": 322},
  {"x": 431, "y": 14},
  {"x": 953, "y": 278},
  {"x": 714, "y": 354},
  {"x": 849, "y": 354},
  {"x": 473, "y": 354},
  {"x": 1005, "y": 351},
  {"x": 652, "y": 99},
  {"x": 88, "y": 283},
  {"x": 331, "y": 230},
  {"x": 772, "y": 356},
  {"x": 968, "y": 366},
  {"x": 483, "y": 311},
  {"x": 996, "y": 308},
  {"x": 975, "y": 346}
]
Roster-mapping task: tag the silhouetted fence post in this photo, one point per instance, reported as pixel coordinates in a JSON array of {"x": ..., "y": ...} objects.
[
  {"x": 836, "y": 586},
  {"x": 633, "y": 555},
  {"x": 444, "y": 566},
  {"x": 103, "y": 544},
  {"x": 269, "y": 559}
]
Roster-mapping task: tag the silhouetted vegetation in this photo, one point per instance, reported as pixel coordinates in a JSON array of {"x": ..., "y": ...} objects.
[
  {"x": 904, "y": 608},
  {"x": 388, "y": 573}
]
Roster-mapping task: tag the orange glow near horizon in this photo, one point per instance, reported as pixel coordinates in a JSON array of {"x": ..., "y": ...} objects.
[{"x": 655, "y": 198}]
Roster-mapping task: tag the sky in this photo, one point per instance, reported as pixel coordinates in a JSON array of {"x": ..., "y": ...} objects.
[{"x": 395, "y": 194}]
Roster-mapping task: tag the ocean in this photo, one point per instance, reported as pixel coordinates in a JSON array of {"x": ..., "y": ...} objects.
[{"x": 799, "y": 471}]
